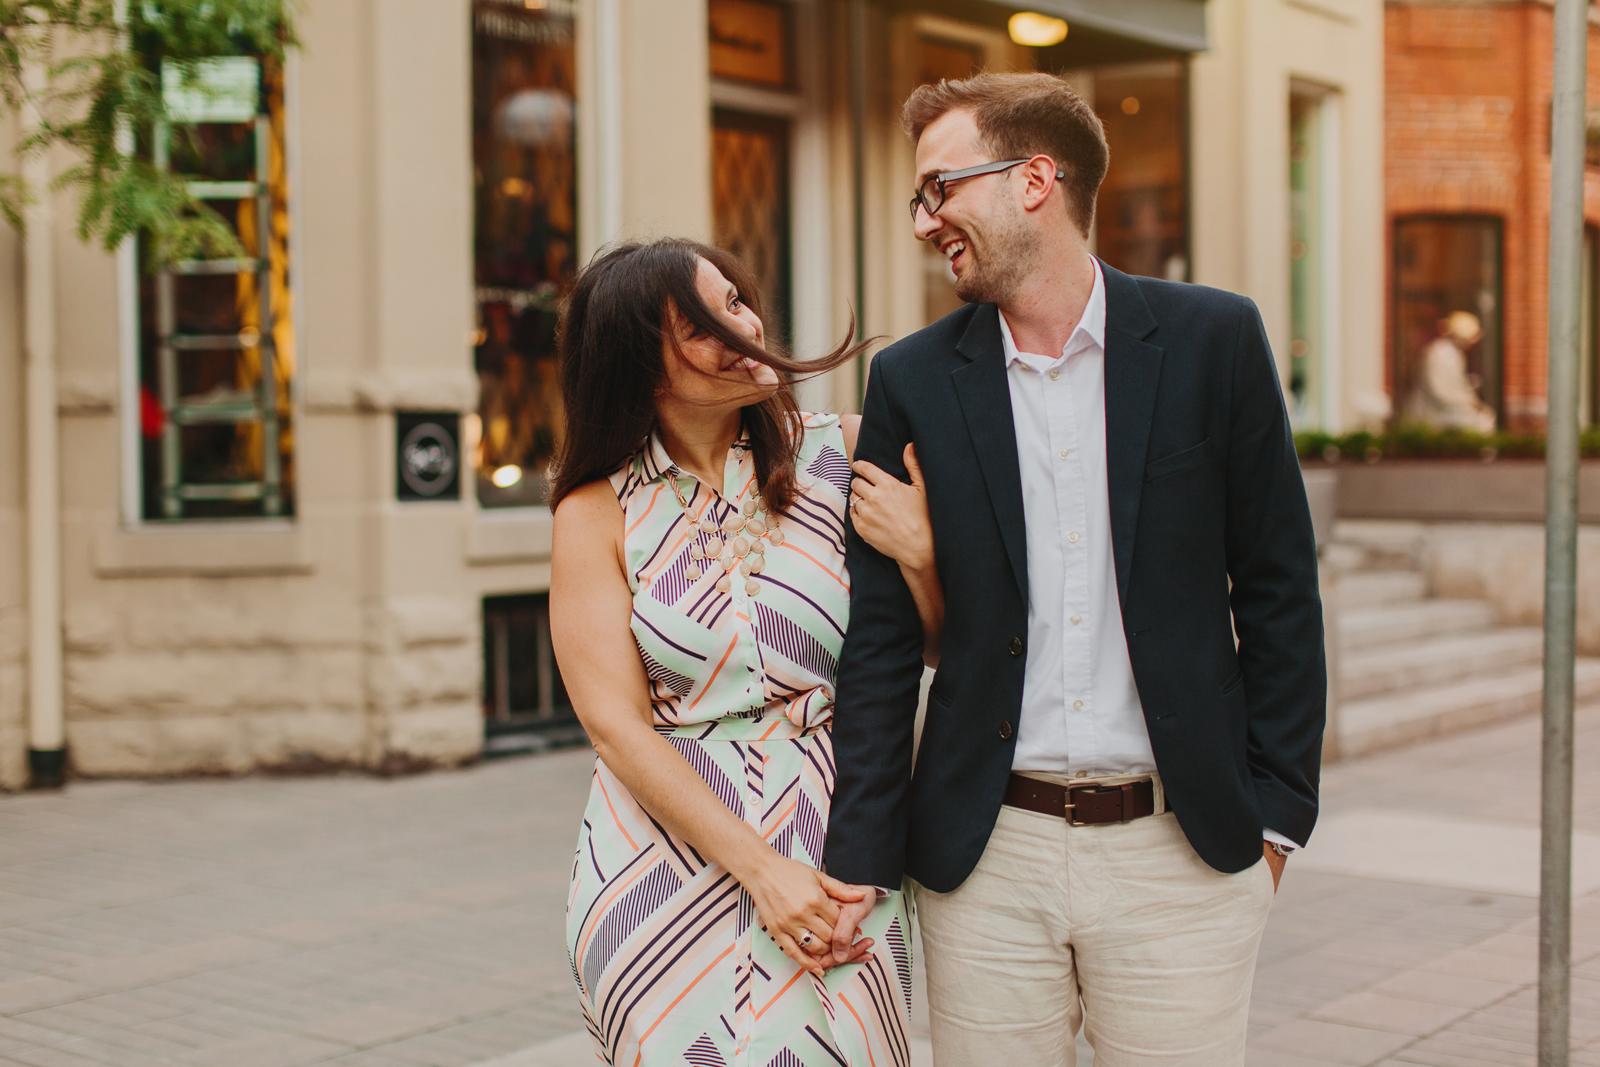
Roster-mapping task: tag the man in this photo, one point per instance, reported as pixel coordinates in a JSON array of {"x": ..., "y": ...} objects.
[{"x": 1106, "y": 785}]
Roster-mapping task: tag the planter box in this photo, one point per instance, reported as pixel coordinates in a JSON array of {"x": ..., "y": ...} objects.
[{"x": 1449, "y": 490}]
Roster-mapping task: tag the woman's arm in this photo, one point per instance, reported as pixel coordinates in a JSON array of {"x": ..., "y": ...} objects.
[
  {"x": 590, "y": 612},
  {"x": 892, "y": 517}
]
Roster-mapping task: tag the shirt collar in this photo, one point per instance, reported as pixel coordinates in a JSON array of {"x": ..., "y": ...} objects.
[
  {"x": 658, "y": 464},
  {"x": 1091, "y": 325}
]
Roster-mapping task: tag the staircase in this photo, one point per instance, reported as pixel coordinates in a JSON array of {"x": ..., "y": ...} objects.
[{"x": 1413, "y": 666}]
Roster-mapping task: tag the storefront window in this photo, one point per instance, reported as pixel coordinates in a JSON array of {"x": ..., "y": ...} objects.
[
  {"x": 525, "y": 236},
  {"x": 1306, "y": 210},
  {"x": 1142, "y": 226},
  {"x": 216, "y": 337},
  {"x": 1447, "y": 356},
  {"x": 750, "y": 200}
]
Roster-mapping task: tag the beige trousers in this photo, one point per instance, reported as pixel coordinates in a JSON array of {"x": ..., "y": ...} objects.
[{"x": 1120, "y": 929}]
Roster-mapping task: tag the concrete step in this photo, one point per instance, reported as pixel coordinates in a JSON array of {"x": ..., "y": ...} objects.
[
  {"x": 1437, "y": 660},
  {"x": 1365, "y": 589},
  {"x": 1388, "y": 624},
  {"x": 1387, "y": 545},
  {"x": 1401, "y": 718}
]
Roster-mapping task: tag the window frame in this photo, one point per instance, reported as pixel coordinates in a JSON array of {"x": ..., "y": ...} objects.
[{"x": 126, "y": 266}]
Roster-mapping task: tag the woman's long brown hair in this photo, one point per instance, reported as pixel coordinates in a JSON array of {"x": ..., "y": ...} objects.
[{"x": 611, "y": 344}]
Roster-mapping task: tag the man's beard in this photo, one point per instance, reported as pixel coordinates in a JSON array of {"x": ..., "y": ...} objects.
[{"x": 1008, "y": 257}]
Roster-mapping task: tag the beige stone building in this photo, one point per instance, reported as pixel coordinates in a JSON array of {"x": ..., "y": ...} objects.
[{"x": 340, "y": 561}]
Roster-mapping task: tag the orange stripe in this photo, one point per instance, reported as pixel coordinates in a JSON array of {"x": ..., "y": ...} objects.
[
  {"x": 662, "y": 1017},
  {"x": 731, "y": 646},
  {"x": 779, "y": 994},
  {"x": 603, "y": 792},
  {"x": 820, "y": 565},
  {"x": 779, "y": 824},
  {"x": 770, "y": 731},
  {"x": 868, "y": 1041},
  {"x": 646, "y": 513}
]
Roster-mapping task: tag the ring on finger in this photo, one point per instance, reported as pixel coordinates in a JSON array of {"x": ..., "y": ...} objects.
[{"x": 806, "y": 939}]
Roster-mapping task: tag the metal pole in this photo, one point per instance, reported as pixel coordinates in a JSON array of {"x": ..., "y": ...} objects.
[
  {"x": 1567, "y": 118},
  {"x": 858, "y": 176},
  {"x": 46, "y": 722}
]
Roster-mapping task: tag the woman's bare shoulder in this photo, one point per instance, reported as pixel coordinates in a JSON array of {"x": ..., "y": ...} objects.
[{"x": 591, "y": 508}]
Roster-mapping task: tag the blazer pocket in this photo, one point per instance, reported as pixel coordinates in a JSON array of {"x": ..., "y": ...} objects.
[
  {"x": 1233, "y": 683},
  {"x": 1177, "y": 462}
]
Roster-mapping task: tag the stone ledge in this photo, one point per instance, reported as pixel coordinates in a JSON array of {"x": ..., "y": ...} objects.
[
  {"x": 205, "y": 549},
  {"x": 509, "y": 535}
]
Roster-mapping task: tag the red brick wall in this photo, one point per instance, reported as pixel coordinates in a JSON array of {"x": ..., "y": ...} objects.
[{"x": 1466, "y": 131}]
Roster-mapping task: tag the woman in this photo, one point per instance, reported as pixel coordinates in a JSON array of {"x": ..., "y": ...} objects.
[{"x": 698, "y": 604}]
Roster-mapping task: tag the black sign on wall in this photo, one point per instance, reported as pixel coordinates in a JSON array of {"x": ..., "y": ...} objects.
[{"x": 427, "y": 455}]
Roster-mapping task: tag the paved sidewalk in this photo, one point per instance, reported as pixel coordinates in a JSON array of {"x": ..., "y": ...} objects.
[{"x": 418, "y": 921}]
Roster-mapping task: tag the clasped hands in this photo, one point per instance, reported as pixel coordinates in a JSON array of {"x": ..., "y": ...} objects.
[{"x": 815, "y": 919}]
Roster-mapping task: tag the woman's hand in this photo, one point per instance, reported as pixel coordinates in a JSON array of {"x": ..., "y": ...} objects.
[
  {"x": 892, "y": 516},
  {"x": 795, "y": 900}
]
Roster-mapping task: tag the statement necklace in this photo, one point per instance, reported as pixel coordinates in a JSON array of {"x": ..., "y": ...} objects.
[{"x": 738, "y": 544}]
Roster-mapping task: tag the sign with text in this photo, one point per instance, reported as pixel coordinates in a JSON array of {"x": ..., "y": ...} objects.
[{"x": 750, "y": 41}]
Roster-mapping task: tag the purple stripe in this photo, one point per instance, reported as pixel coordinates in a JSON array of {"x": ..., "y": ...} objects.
[
  {"x": 807, "y": 599},
  {"x": 667, "y": 639}
]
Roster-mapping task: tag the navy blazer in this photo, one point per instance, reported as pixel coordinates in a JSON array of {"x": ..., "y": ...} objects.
[{"x": 1211, "y": 536}]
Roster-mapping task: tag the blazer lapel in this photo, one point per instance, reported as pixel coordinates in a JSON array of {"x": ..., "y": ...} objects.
[
  {"x": 986, "y": 403},
  {"x": 1133, "y": 372}
]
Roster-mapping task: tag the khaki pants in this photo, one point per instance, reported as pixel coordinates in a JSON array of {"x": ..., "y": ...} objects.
[{"x": 1121, "y": 929}]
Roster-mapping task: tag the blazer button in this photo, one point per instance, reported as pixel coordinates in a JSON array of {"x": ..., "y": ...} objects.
[
  {"x": 1005, "y": 731},
  {"x": 1016, "y": 646}
]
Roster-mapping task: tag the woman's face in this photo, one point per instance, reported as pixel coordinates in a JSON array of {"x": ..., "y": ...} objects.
[{"x": 702, "y": 371}]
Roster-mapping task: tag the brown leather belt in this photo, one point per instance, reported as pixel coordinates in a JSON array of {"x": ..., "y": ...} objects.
[{"x": 1083, "y": 805}]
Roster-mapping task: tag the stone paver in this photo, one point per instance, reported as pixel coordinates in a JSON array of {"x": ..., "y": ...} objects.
[{"x": 410, "y": 922}]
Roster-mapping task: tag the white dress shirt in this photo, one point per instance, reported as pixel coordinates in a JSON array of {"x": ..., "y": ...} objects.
[{"x": 1081, "y": 713}]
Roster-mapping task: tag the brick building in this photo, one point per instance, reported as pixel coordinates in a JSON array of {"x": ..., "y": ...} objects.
[{"x": 1467, "y": 189}]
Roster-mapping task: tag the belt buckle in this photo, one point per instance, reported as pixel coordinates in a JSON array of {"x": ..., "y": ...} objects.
[
  {"x": 1121, "y": 791},
  {"x": 1071, "y": 809}
]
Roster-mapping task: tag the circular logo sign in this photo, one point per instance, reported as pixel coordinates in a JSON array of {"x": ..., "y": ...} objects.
[{"x": 428, "y": 459}]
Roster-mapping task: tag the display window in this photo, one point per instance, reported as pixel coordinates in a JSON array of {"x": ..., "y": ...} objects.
[
  {"x": 524, "y": 237},
  {"x": 750, "y": 201},
  {"x": 216, "y": 336},
  {"x": 1142, "y": 224},
  {"x": 1447, "y": 326}
]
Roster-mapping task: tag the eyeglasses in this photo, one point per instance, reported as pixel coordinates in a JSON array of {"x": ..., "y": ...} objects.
[{"x": 931, "y": 194}]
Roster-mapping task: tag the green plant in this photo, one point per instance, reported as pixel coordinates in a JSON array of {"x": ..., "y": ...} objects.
[
  {"x": 1417, "y": 441},
  {"x": 100, "y": 97}
]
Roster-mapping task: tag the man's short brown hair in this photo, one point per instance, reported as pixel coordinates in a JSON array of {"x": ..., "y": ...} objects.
[{"x": 1024, "y": 115}]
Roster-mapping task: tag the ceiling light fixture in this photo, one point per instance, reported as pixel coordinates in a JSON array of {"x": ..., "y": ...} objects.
[{"x": 1035, "y": 30}]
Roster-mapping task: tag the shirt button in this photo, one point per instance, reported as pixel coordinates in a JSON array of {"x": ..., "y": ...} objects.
[
  {"x": 1054, "y": 375},
  {"x": 1081, "y": 774},
  {"x": 1004, "y": 731},
  {"x": 1076, "y": 619},
  {"x": 1073, "y": 537},
  {"x": 1063, "y": 454},
  {"x": 1077, "y": 705},
  {"x": 1015, "y": 646}
]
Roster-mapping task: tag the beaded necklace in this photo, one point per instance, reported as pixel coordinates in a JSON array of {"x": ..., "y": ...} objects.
[{"x": 739, "y": 543}]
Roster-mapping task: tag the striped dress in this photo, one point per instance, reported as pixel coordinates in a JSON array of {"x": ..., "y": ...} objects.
[{"x": 671, "y": 963}]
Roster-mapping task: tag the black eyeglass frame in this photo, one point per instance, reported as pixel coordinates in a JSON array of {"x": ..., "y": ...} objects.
[{"x": 939, "y": 181}]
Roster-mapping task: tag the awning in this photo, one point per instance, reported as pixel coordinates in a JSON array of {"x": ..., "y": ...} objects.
[{"x": 1176, "y": 24}]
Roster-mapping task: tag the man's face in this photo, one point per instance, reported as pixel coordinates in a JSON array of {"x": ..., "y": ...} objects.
[{"x": 981, "y": 228}]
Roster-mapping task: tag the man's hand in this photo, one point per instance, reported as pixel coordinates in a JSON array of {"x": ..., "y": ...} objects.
[
  {"x": 1274, "y": 861},
  {"x": 851, "y": 915}
]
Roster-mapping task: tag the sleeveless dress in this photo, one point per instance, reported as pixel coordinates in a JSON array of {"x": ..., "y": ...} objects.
[{"x": 671, "y": 963}]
